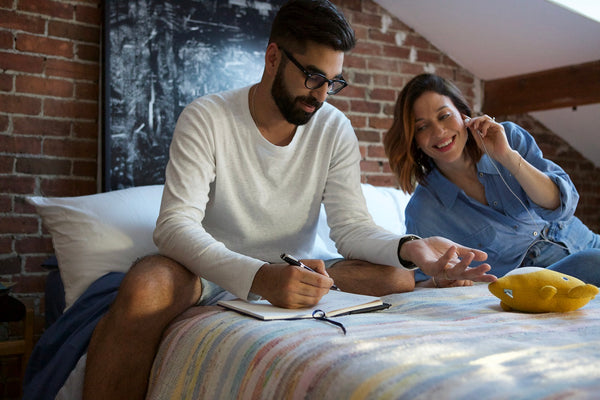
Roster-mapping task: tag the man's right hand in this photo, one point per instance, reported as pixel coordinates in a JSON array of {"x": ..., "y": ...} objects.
[{"x": 289, "y": 286}]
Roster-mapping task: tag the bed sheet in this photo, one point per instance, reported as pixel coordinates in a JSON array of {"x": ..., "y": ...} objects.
[{"x": 432, "y": 343}]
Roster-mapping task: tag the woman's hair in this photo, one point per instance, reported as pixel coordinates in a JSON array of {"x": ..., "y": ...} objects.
[
  {"x": 300, "y": 21},
  {"x": 410, "y": 164}
]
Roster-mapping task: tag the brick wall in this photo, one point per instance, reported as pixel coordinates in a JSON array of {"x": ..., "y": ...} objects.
[
  {"x": 49, "y": 115},
  {"x": 49, "y": 75}
]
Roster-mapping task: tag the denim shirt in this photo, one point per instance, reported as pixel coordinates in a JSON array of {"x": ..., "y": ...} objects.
[{"x": 504, "y": 228}]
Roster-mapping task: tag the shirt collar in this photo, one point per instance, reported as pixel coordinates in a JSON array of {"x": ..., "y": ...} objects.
[{"x": 448, "y": 191}]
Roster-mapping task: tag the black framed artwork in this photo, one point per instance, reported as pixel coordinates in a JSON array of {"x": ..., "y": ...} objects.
[{"x": 159, "y": 55}]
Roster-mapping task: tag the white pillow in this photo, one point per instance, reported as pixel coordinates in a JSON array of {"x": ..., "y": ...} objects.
[
  {"x": 100, "y": 233},
  {"x": 386, "y": 205}
]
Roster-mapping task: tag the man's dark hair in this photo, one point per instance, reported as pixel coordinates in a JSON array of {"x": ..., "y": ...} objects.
[{"x": 300, "y": 21}]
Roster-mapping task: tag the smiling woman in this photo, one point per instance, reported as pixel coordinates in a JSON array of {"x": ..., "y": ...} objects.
[{"x": 485, "y": 185}]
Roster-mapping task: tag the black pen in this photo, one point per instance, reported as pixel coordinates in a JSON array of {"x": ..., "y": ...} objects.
[{"x": 294, "y": 261}]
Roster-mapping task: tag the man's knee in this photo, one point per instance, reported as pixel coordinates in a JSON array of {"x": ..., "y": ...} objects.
[{"x": 157, "y": 281}]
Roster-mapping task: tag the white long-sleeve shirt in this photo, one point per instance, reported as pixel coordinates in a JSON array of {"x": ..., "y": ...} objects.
[{"x": 233, "y": 201}]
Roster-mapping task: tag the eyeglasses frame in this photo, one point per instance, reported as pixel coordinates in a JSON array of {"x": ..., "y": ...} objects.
[{"x": 309, "y": 75}]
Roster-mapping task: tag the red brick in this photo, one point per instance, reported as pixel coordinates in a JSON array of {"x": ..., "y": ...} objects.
[
  {"x": 87, "y": 169},
  {"x": 6, "y": 40},
  {"x": 6, "y": 204},
  {"x": 381, "y": 80},
  {"x": 33, "y": 263},
  {"x": 400, "y": 53},
  {"x": 383, "y": 94},
  {"x": 380, "y": 123},
  {"x": 10, "y": 265},
  {"x": 43, "y": 45},
  {"x": 340, "y": 103},
  {"x": 415, "y": 40},
  {"x": 6, "y": 4},
  {"x": 43, "y": 86},
  {"x": 428, "y": 56},
  {"x": 20, "y": 22},
  {"x": 34, "y": 244},
  {"x": 31, "y": 284},
  {"x": 17, "y": 184},
  {"x": 70, "y": 148},
  {"x": 20, "y": 145},
  {"x": 377, "y": 35},
  {"x": 361, "y": 33},
  {"x": 355, "y": 92},
  {"x": 358, "y": 121},
  {"x": 365, "y": 19},
  {"x": 6, "y": 82},
  {"x": 377, "y": 152},
  {"x": 70, "y": 109},
  {"x": 72, "y": 69},
  {"x": 370, "y": 166},
  {"x": 359, "y": 78},
  {"x": 411, "y": 69},
  {"x": 21, "y": 63},
  {"x": 18, "y": 224},
  {"x": 88, "y": 14},
  {"x": 43, "y": 166},
  {"x": 6, "y": 245},
  {"x": 67, "y": 187},
  {"x": 20, "y": 104},
  {"x": 86, "y": 91},
  {"x": 85, "y": 130},
  {"x": 57, "y": 9},
  {"x": 75, "y": 32},
  {"x": 367, "y": 49},
  {"x": 365, "y": 106},
  {"x": 40, "y": 126},
  {"x": 387, "y": 65},
  {"x": 87, "y": 52},
  {"x": 367, "y": 135},
  {"x": 6, "y": 164},
  {"x": 22, "y": 206}
]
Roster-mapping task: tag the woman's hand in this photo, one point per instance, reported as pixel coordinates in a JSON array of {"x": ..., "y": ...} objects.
[
  {"x": 490, "y": 137},
  {"x": 438, "y": 256}
]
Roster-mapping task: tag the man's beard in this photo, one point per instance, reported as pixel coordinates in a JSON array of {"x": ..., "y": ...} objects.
[{"x": 287, "y": 104}]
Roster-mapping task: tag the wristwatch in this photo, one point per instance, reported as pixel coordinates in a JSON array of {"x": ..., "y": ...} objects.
[{"x": 407, "y": 264}]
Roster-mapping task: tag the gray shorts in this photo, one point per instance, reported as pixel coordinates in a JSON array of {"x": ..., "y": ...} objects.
[{"x": 212, "y": 293}]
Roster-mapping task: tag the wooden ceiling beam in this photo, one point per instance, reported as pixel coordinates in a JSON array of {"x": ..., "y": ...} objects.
[{"x": 570, "y": 86}]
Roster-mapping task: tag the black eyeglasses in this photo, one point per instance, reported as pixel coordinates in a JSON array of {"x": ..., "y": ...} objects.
[{"x": 315, "y": 80}]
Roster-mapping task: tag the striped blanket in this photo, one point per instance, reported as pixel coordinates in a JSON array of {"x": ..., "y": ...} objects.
[{"x": 453, "y": 343}]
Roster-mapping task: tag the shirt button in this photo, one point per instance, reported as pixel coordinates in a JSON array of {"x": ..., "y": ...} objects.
[
  {"x": 516, "y": 227},
  {"x": 481, "y": 174},
  {"x": 535, "y": 233},
  {"x": 495, "y": 203}
]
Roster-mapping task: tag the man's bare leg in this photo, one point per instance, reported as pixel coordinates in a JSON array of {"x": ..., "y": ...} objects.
[
  {"x": 125, "y": 341},
  {"x": 362, "y": 277}
]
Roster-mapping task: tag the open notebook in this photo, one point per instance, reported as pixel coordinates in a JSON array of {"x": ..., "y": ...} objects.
[{"x": 332, "y": 304}]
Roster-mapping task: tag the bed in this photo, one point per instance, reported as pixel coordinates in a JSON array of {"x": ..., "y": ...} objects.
[{"x": 431, "y": 343}]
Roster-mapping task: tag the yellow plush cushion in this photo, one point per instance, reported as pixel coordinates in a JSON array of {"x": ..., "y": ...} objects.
[{"x": 536, "y": 290}]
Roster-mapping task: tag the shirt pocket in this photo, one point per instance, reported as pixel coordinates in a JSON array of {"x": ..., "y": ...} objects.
[{"x": 480, "y": 238}]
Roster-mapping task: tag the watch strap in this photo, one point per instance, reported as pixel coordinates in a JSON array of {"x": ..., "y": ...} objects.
[{"x": 406, "y": 264}]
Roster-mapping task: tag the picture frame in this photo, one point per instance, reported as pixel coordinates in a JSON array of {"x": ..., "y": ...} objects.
[{"x": 159, "y": 55}]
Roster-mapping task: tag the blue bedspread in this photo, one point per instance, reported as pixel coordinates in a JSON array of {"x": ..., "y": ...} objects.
[{"x": 62, "y": 344}]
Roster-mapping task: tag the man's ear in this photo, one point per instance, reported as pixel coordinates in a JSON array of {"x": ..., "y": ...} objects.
[{"x": 272, "y": 58}]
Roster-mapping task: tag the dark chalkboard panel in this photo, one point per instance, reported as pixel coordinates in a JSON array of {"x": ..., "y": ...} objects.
[{"x": 159, "y": 55}]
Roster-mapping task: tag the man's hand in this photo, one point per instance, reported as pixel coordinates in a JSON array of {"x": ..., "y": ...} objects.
[
  {"x": 442, "y": 258},
  {"x": 289, "y": 286}
]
